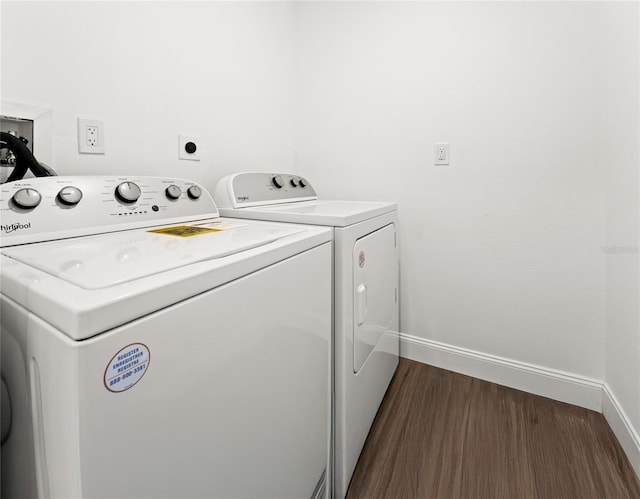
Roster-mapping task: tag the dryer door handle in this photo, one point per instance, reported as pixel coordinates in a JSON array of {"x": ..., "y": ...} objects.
[{"x": 362, "y": 304}]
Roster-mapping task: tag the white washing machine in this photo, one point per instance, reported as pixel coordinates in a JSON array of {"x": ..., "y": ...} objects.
[
  {"x": 153, "y": 350},
  {"x": 366, "y": 309}
]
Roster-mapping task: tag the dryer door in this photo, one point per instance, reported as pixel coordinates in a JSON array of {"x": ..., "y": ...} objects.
[{"x": 375, "y": 295}]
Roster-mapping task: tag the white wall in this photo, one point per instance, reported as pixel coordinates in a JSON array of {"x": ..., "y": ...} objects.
[
  {"x": 621, "y": 156},
  {"x": 508, "y": 252},
  {"x": 501, "y": 252},
  {"x": 151, "y": 70}
]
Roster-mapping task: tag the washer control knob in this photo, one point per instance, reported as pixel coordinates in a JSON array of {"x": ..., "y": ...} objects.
[
  {"x": 128, "y": 192},
  {"x": 294, "y": 182},
  {"x": 302, "y": 182},
  {"x": 194, "y": 192},
  {"x": 277, "y": 181},
  {"x": 70, "y": 195},
  {"x": 27, "y": 198},
  {"x": 173, "y": 191}
]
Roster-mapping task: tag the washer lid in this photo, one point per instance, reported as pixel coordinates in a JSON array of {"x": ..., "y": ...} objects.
[
  {"x": 326, "y": 213},
  {"x": 97, "y": 262},
  {"x": 177, "y": 269}
]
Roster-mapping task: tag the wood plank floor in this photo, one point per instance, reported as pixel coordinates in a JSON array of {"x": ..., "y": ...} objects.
[{"x": 443, "y": 435}]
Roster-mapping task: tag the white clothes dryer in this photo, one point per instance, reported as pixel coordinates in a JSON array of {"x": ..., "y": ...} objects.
[
  {"x": 366, "y": 312},
  {"x": 152, "y": 349}
]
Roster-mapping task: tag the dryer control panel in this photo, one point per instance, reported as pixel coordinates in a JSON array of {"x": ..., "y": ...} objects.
[
  {"x": 46, "y": 208},
  {"x": 247, "y": 189}
]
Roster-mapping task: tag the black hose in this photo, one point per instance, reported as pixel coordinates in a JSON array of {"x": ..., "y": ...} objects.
[{"x": 25, "y": 160}]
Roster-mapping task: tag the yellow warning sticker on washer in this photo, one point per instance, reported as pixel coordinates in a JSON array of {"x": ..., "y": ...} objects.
[{"x": 184, "y": 230}]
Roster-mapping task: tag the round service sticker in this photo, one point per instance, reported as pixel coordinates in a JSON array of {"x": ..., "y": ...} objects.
[{"x": 127, "y": 367}]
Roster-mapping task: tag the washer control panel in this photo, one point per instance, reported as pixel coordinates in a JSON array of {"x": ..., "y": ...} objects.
[
  {"x": 259, "y": 189},
  {"x": 47, "y": 208}
]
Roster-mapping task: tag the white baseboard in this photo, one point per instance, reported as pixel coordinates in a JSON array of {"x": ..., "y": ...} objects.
[
  {"x": 621, "y": 426},
  {"x": 551, "y": 383},
  {"x": 558, "y": 385}
]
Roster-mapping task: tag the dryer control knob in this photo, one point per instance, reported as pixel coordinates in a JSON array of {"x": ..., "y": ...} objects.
[
  {"x": 128, "y": 192},
  {"x": 27, "y": 198},
  {"x": 70, "y": 195},
  {"x": 302, "y": 182},
  {"x": 277, "y": 181},
  {"x": 294, "y": 182},
  {"x": 194, "y": 192},
  {"x": 173, "y": 191}
]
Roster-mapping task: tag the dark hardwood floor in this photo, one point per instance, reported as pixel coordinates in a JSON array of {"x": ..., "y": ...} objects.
[{"x": 443, "y": 435}]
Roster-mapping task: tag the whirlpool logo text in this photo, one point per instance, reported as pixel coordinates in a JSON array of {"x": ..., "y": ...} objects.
[{"x": 13, "y": 227}]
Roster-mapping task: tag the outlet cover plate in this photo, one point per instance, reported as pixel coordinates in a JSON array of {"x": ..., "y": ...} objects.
[
  {"x": 187, "y": 143},
  {"x": 90, "y": 136},
  {"x": 441, "y": 154}
]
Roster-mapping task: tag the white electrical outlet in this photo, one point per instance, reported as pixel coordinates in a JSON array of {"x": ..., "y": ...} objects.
[
  {"x": 441, "y": 154},
  {"x": 90, "y": 136}
]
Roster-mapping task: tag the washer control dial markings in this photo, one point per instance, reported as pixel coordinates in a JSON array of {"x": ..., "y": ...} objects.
[
  {"x": 173, "y": 191},
  {"x": 27, "y": 198},
  {"x": 70, "y": 195},
  {"x": 128, "y": 192},
  {"x": 194, "y": 192}
]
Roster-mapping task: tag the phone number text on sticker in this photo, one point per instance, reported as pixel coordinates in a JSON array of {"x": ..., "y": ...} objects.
[{"x": 127, "y": 367}]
